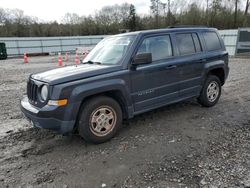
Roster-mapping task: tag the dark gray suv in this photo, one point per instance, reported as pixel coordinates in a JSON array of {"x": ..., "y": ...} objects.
[{"x": 126, "y": 75}]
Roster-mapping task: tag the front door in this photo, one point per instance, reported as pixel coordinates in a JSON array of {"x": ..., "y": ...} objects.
[{"x": 155, "y": 84}]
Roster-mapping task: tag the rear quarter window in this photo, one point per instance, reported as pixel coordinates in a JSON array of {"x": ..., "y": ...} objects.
[
  {"x": 212, "y": 41},
  {"x": 197, "y": 42},
  {"x": 188, "y": 43}
]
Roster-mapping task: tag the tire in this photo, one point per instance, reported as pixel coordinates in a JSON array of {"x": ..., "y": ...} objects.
[
  {"x": 212, "y": 84},
  {"x": 99, "y": 120}
]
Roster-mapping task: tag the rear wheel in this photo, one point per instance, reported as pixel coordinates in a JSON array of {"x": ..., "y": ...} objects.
[
  {"x": 211, "y": 91},
  {"x": 100, "y": 119}
]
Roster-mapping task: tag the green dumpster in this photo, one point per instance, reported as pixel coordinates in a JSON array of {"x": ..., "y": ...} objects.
[{"x": 3, "y": 52}]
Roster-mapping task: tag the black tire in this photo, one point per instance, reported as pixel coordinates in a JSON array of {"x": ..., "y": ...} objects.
[
  {"x": 89, "y": 120},
  {"x": 205, "y": 99}
]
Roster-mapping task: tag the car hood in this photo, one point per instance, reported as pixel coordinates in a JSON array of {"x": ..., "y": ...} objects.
[{"x": 71, "y": 73}]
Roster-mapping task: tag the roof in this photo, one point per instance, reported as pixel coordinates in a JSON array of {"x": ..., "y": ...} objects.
[{"x": 169, "y": 29}]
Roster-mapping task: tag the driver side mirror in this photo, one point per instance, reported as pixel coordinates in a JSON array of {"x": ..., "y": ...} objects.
[{"x": 143, "y": 58}]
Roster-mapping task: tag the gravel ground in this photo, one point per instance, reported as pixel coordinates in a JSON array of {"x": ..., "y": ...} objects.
[{"x": 181, "y": 145}]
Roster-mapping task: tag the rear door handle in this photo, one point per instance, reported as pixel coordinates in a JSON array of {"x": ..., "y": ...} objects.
[{"x": 171, "y": 67}]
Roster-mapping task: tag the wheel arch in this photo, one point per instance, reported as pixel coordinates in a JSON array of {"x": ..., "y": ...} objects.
[
  {"x": 115, "y": 94},
  {"x": 219, "y": 72},
  {"x": 216, "y": 68}
]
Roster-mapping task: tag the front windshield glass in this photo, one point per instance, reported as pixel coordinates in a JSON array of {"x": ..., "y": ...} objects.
[{"x": 110, "y": 50}]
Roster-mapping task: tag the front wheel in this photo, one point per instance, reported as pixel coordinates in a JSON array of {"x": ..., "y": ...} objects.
[
  {"x": 100, "y": 119},
  {"x": 211, "y": 91}
]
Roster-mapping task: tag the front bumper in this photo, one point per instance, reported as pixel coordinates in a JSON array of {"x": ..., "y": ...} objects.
[{"x": 43, "y": 118}]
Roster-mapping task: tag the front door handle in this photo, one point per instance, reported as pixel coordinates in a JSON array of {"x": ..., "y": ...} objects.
[
  {"x": 171, "y": 67},
  {"x": 202, "y": 60}
]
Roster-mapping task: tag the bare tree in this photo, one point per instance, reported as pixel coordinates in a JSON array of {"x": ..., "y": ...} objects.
[
  {"x": 235, "y": 12},
  {"x": 155, "y": 5},
  {"x": 207, "y": 9},
  {"x": 222, "y": 14},
  {"x": 71, "y": 18}
]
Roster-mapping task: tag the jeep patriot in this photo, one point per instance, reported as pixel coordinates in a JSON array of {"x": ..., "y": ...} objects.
[{"x": 126, "y": 75}]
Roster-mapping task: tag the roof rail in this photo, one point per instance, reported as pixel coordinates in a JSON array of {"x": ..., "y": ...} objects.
[{"x": 187, "y": 26}]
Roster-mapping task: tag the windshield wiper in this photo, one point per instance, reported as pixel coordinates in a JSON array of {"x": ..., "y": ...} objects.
[{"x": 91, "y": 62}]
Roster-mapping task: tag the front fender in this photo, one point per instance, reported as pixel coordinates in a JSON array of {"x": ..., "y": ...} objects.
[{"x": 81, "y": 92}]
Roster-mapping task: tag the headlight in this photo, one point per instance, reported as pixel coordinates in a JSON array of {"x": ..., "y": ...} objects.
[{"x": 44, "y": 93}]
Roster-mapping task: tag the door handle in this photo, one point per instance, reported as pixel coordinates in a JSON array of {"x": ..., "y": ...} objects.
[
  {"x": 202, "y": 60},
  {"x": 171, "y": 67}
]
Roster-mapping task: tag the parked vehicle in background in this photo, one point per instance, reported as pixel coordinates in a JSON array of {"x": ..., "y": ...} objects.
[
  {"x": 3, "y": 52},
  {"x": 126, "y": 75}
]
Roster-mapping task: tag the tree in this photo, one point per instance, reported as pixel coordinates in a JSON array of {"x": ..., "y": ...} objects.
[
  {"x": 246, "y": 15},
  {"x": 71, "y": 18},
  {"x": 207, "y": 9},
  {"x": 216, "y": 6},
  {"x": 193, "y": 16},
  {"x": 246, "y": 7},
  {"x": 132, "y": 18},
  {"x": 113, "y": 18},
  {"x": 222, "y": 14},
  {"x": 155, "y": 10},
  {"x": 235, "y": 12}
]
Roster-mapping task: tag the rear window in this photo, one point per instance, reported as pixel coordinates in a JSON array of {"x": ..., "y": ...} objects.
[{"x": 212, "y": 41}]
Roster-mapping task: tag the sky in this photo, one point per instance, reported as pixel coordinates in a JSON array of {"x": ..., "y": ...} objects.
[{"x": 49, "y": 10}]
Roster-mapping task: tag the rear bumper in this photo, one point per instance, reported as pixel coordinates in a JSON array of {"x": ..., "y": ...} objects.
[
  {"x": 227, "y": 69},
  {"x": 42, "y": 118}
]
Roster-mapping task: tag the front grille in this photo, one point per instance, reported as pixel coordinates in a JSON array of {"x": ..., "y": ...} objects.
[{"x": 32, "y": 91}]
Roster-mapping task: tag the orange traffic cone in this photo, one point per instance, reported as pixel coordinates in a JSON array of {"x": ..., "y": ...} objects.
[
  {"x": 67, "y": 57},
  {"x": 77, "y": 60},
  {"x": 60, "y": 63},
  {"x": 25, "y": 58}
]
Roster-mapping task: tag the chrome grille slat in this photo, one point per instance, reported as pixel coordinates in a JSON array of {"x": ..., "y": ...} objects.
[
  {"x": 28, "y": 91},
  {"x": 35, "y": 93},
  {"x": 32, "y": 90}
]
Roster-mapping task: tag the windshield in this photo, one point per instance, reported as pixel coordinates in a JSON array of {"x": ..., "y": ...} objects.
[{"x": 110, "y": 50}]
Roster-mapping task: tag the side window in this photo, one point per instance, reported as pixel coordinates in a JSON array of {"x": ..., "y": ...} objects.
[
  {"x": 185, "y": 43},
  {"x": 159, "y": 46},
  {"x": 212, "y": 41},
  {"x": 197, "y": 43}
]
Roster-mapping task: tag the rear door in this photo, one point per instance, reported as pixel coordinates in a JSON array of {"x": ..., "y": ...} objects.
[
  {"x": 190, "y": 62},
  {"x": 214, "y": 47},
  {"x": 155, "y": 84}
]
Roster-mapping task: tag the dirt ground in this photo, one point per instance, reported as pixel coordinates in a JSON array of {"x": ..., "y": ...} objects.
[{"x": 181, "y": 145}]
